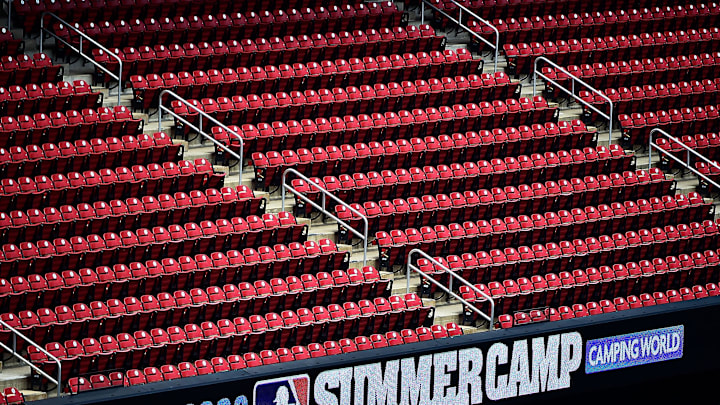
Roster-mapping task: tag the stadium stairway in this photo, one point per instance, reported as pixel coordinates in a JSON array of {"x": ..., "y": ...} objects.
[{"x": 15, "y": 374}]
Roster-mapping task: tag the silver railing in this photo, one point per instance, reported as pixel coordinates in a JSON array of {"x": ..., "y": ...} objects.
[
  {"x": 200, "y": 130},
  {"x": 686, "y": 163},
  {"x": 571, "y": 92},
  {"x": 461, "y": 8},
  {"x": 13, "y": 350},
  {"x": 9, "y": 11},
  {"x": 79, "y": 50},
  {"x": 448, "y": 290},
  {"x": 323, "y": 209}
]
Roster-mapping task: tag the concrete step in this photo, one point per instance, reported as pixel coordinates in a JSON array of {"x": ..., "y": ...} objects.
[
  {"x": 31, "y": 395},
  {"x": 400, "y": 282},
  {"x": 17, "y": 32},
  {"x": 275, "y": 204},
  {"x": 324, "y": 231},
  {"x": 17, "y": 376},
  {"x": 448, "y": 312}
]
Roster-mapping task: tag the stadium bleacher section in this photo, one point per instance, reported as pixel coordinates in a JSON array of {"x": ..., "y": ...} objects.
[{"x": 133, "y": 260}]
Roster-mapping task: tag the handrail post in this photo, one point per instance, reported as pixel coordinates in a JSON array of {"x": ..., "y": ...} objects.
[
  {"x": 323, "y": 209},
  {"x": 82, "y": 35},
  {"x": 9, "y": 4},
  {"x": 411, "y": 267},
  {"x": 17, "y": 333},
  {"x": 573, "y": 79},
  {"x": 217, "y": 143},
  {"x": 496, "y": 46},
  {"x": 652, "y": 145},
  {"x": 487, "y": 23}
]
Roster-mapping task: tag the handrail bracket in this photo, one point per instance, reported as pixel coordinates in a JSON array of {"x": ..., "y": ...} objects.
[
  {"x": 323, "y": 208},
  {"x": 448, "y": 289}
]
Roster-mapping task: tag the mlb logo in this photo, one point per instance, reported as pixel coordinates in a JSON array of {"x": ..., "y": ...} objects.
[{"x": 293, "y": 390}]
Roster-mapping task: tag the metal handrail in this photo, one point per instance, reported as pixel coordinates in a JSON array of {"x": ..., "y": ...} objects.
[
  {"x": 448, "y": 290},
  {"x": 322, "y": 208},
  {"x": 200, "y": 131},
  {"x": 496, "y": 46},
  {"x": 9, "y": 11},
  {"x": 571, "y": 92},
  {"x": 17, "y": 333},
  {"x": 653, "y": 145},
  {"x": 79, "y": 51}
]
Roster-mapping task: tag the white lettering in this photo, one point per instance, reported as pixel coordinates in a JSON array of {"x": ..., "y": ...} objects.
[
  {"x": 519, "y": 369},
  {"x": 592, "y": 355},
  {"x": 415, "y": 383},
  {"x": 456, "y": 376},
  {"x": 345, "y": 384},
  {"x": 380, "y": 390},
  {"x": 645, "y": 344},
  {"x": 544, "y": 364},
  {"x": 470, "y": 362},
  {"x": 443, "y": 392},
  {"x": 675, "y": 345},
  {"x": 496, "y": 386},
  {"x": 325, "y": 381},
  {"x": 570, "y": 356},
  {"x": 608, "y": 354}
]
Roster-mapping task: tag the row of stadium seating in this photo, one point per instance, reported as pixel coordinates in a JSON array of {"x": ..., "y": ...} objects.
[
  {"x": 443, "y": 179},
  {"x": 25, "y": 69},
  {"x": 637, "y": 99},
  {"x": 251, "y": 359},
  {"x": 69, "y": 126},
  {"x": 132, "y": 213},
  {"x": 338, "y": 101},
  {"x": 92, "y": 154},
  {"x": 96, "y": 10},
  {"x": 588, "y": 50},
  {"x": 554, "y": 258},
  {"x": 638, "y": 72},
  {"x": 538, "y": 28},
  {"x": 590, "y": 251},
  {"x": 273, "y": 51},
  {"x": 377, "y": 126},
  {"x": 636, "y": 127},
  {"x": 258, "y": 332},
  {"x": 491, "y": 9},
  {"x": 170, "y": 308},
  {"x": 568, "y": 288},
  {"x": 142, "y": 244},
  {"x": 607, "y": 306},
  {"x": 325, "y": 74},
  {"x": 510, "y": 231},
  {"x": 107, "y": 184},
  {"x": 221, "y": 27},
  {"x": 482, "y": 145},
  {"x": 460, "y": 207},
  {"x": 705, "y": 144},
  {"x": 188, "y": 272},
  {"x": 33, "y": 98}
]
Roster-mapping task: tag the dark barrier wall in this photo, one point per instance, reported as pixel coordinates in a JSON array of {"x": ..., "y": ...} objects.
[{"x": 662, "y": 353}]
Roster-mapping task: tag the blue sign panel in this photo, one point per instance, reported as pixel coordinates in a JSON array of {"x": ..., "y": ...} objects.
[
  {"x": 292, "y": 390},
  {"x": 633, "y": 349}
]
